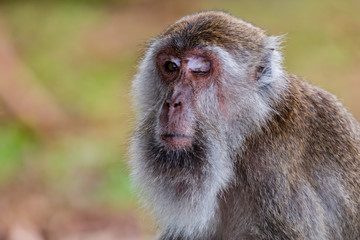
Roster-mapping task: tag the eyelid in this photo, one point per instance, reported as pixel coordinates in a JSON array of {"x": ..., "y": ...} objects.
[
  {"x": 199, "y": 72},
  {"x": 198, "y": 64}
]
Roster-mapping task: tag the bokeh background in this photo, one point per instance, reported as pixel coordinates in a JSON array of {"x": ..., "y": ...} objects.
[{"x": 65, "y": 108}]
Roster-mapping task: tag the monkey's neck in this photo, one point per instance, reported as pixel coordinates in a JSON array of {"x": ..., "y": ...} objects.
[{"x": 286, "y": 109}]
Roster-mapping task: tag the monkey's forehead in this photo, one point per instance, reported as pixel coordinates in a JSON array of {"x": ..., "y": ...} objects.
[{"x": 213, "y": 28}]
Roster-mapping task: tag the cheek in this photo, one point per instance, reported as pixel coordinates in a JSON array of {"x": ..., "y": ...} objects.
[
  {"x": 146, "y": 91},
  {"x": 222, "y": 104},
  {"x": 210, "y": 103}
]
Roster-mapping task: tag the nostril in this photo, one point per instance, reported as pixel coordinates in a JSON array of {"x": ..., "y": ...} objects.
[{"x": 170, "y": 104}]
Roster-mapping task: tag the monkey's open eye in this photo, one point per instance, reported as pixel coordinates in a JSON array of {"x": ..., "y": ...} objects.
[{"x": 171, "y": 66}]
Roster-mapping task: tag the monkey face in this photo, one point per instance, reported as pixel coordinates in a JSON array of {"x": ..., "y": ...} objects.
[
  {"x": 199, "y": 82},
  {"x": 185, "y": 76}
]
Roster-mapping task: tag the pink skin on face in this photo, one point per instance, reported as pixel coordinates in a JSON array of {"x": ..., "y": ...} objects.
[{"x": 193, "y": 71}]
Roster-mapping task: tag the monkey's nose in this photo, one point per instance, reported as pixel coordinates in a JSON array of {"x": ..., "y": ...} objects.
[{"x": 174, "y": 104}]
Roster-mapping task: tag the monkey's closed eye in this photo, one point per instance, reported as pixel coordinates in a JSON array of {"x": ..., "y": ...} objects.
[
  {"x": 199, "y": 72},
  {"x": 171, "y": 66}
]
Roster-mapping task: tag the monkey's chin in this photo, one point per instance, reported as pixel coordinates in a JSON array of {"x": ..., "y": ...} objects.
[{"x": 176, "y": 141}]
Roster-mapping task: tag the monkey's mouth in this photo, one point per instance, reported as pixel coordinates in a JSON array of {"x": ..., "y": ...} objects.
[
  {"x": 173, "y": 135},
  {"x": 177, "y": 140}
]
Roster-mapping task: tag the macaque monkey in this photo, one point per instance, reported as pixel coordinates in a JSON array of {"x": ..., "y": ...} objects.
[{"x": 228, "y": 145}]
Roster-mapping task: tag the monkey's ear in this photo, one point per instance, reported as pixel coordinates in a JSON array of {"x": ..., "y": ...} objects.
[{"x": 270, "y": 66}]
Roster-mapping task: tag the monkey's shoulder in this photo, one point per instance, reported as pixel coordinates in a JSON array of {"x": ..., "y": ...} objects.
[
  {"x": 320, "y": 107},
  {"x": 309, "y": 124},
  {"x": 305, "y": 105}
]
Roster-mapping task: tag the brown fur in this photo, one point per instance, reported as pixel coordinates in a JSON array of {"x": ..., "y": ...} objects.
[{"x": 214, "y": 28}]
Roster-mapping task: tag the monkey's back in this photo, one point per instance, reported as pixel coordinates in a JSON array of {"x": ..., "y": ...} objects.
[{"x": 303, "y": 169}]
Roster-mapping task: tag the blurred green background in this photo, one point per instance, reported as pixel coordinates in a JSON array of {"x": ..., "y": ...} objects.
[{"x": 65, "y": 109}]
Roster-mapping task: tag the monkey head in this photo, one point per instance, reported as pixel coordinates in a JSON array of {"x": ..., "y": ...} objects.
[{"x": 207, "y": 69}]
